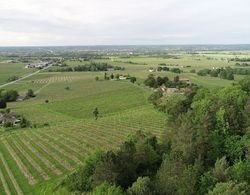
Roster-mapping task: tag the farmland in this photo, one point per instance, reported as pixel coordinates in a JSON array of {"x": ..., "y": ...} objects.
[{"x": 34, "y": 160}]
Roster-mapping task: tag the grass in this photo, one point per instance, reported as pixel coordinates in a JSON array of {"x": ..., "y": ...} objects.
[
  {"x": 71, "y": 130},
  {"x": 12, "y": 69}
]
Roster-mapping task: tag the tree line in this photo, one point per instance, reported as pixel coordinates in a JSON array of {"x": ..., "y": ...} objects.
[
  {"x": 155, "y": 82},
  {"x": 93, "y": 66}
]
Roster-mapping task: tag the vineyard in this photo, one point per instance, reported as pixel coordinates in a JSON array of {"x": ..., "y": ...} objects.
[{"x": 35, "y": 158}]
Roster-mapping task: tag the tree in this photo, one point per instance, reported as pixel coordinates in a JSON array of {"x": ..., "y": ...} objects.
[
  {"x": 96, "y": 113},
  {"x": 150, "y": 81},
  {"x": 230, "y": 188},
  {"x": 117, "y": 76},
  {"x": 142, "y": 186},
  {"x": 24, "y": 122},
  {"x": 9, "y": 95},
  {"x": 107, "y": 189},
  {"x": 3, "y": 103},
  {"x": 245, "y": 84},
  {"x": 132, "y": 79},
  {"x": 176, "y": 79},
  {"x": 30, "y": 93},
  {"x": 105, "y": 76}
]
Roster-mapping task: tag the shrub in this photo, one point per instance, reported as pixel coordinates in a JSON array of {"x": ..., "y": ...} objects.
[{"x": 3, "y": 103}]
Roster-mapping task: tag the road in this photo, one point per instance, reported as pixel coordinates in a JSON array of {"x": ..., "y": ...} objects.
[{"x": 24, "y": 77}]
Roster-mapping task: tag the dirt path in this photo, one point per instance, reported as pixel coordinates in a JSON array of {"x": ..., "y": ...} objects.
[{"x": 24, "y": 77}]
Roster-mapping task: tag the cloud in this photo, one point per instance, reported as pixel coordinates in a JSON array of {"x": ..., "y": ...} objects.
[{"x": 92, "y": 22}]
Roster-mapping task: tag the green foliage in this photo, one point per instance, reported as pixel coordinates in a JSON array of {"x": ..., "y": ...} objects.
[
  {"x": 240, "y": 171},
  {"x": 141, "y": 186},
  {"x": 8, "y": 95},
  {"x": 8, "y": 125},
  {"x": 230, "y": 188},
  {"x": 30, "y": 93},
  {"x": 245, "y": 84},
  {"x": 150, "y": 81},
  {"x": 24, "y": 122},
  {"x": 3, "y": 103},
  {"x": 96, "y": 113},
  {"x": 132, "y": 79},
  {"x": 136, "y": 157},
  {"x": 12, "y": 78},
  {"x": 81, "y": 179},
  {"x": 107, "y": 189}
]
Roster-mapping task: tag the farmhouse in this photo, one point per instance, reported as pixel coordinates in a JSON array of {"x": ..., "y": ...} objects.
[
  {"x": 8, "y": 117},
  {"x": 163, "y": 88},
  {"x": 172, "y": 90},
  {"x": 122, "y": 78},
  {"x": 184, "y": 80},
  {"x": 151, "y": 70}
]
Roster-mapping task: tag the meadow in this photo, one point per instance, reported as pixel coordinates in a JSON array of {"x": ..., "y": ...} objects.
[{"x": 34, "y": 160}]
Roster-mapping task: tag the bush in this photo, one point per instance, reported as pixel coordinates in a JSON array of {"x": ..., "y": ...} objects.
[
  {"x": 8, "y": 125},
  {"x": 9, "y": 95},
  {"x": 132, "y": 79},
  {"x": 3, "y": 103},
  {"x": 24, "y": 122},
  {"x": 30, "y": 93}
]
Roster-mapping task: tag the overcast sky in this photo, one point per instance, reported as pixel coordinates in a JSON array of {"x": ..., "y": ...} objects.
[{"x": 116, "y": 22}]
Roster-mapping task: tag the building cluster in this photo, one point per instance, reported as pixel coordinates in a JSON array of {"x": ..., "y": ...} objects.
[{"x": 39, "y": 65}]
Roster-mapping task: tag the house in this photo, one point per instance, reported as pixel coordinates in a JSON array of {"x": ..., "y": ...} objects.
[
  {"x": 21, "y": 98},
  {"x": 184, "y": 80},
  {"x": 8, "y": 117},
  {"x": 172, "y": 90},
  {"x": 163, "y": 88},
  {"x": 39, "y": 65},
  {"x": 122, "y": 77},
  {"x": 151, "y": 70}
]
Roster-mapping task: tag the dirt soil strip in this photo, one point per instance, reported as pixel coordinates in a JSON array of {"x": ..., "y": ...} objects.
[
  {"x": 65, "y": 143},
  {"x": 32, "y": 162},
  {"x": 20, "y": 164},
  {"x": 74, "y": 158},
  {"x": 12, "y": 177},
  {"x": 5, "y": 185},
  {"x": 62, "y": 162},
  {"x": 48, "y": 164}
]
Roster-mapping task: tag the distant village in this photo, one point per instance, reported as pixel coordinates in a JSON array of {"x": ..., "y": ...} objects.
[{"x": 39, "y": 65}]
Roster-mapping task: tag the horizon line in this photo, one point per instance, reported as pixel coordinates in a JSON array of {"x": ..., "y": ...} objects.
[{"x": 98, "y": 45}]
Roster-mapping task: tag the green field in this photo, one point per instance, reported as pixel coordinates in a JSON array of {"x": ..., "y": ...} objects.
[
  {"x": 12, "y": 69},
  {"x": 33, "y": 160}
]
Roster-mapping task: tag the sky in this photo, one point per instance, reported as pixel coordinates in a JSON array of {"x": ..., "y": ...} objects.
[{"x": 123, "y": 22}]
